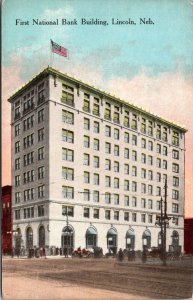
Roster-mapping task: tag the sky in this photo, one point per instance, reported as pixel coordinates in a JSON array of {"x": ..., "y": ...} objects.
[{"x": 148, "y": 65}]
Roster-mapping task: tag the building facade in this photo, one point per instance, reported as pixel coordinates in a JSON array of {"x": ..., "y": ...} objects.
[
  {"x": 188, "y": 235},
  {"x": 6, "y": 220},
  {"x": 89, "y": 169}
]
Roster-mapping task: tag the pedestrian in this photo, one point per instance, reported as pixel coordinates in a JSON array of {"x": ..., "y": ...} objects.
[
  {"x": 60, "y": 251},
  {"x": 144, "y": 254},
  {"x": 120, "y": 254},
  {"x": 44, "y": 252},
  {"x": 41, "y": 252}
]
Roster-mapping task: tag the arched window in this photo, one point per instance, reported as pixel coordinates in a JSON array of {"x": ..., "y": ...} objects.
[
  {"x": 175, "y": 238},
  {"x": 130, "y": 239},
  {"x": 91, "y": 237},
  {"x": 112, "y": 240},
  {"x": 67, "y": 238},
  {"x": 42, "y": 236},
  {"x": 29, "y": 238},
  {"x": 146, "y": 238}
]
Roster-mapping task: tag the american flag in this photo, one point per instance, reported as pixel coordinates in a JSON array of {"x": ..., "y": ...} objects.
[{"x": 59, "y": 49}]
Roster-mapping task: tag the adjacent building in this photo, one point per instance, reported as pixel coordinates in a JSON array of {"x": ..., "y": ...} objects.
[
  {"x": 89, "y": 168},
  {"x": 188, "y": 235},
  {"x": 6, "y": 220}
]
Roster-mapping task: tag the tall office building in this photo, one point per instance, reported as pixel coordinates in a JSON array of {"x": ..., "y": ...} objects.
[{"x": 89, "y": 169}]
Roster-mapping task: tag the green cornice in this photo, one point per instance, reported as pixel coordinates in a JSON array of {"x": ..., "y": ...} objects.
[{"x": 51, "y": 71}]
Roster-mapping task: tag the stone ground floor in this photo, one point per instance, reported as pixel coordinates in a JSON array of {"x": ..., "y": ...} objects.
[{"x": 74, "y": 234}]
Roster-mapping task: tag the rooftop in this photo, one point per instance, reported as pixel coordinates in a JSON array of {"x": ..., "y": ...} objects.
[{"x": 49, "y": 70}]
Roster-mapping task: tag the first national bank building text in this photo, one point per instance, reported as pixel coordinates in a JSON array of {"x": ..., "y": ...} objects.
[{"x": 88, "y": 168}]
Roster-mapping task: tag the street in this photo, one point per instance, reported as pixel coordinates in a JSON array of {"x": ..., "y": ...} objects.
[{"x": 86, "y": 278}]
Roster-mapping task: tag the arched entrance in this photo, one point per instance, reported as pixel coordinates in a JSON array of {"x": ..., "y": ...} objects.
[
  {"x": 175, "y": 238},
  {"x": 146, "y": 238},
  {"x": 67, "y": 239},
  {"x": 112, "y": 240},
  {"x": 42, "y": 237},
  {"x": 29, "y": 238},
  {"x": 91, "y": 237},
  {"x": 130, "y": 239}
]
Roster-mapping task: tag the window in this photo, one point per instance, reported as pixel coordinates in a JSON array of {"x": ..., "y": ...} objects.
[
  {"x": 67, "y": 95},
  {"x": 126, "y": 216},
  {"x": 143, "y": 125},
  {"x": 116, "y": 215},
  {"x": 165, "y": 164},
  {"x": 17, "y": 113},
  {"x": 116, "y": 115},
  {"x": 67, "y": 154},
  {"x": 165, "y": 134},
  {"x": 86, "y": 159},
  {"x": 175, "y": 208},
  {"x": 28, "y": 159},
  {"x": 126, "y": 200},
  {"x": 150, "y": 204},
  {"x": 134, "y": 171},
  {"x": 29, "y": 140},
  {"x": 41, "y": 210},
  {"x": 175, "y": 154},
  {"x": 28, "y": 123},
  {"x": 134, "y": 155},
  {"x": 150, "y": 145},
  {"x": 86, "y": 195},
  {"x": 96, "y": 127},
  {"x": 143, "y": 158},
  {"x": 107, "y": 131},
  {"x": 41, "y": 191},
  {"x": 41, "y": 93},
  {"x": 17, "y": 129},
  {"x": 126, "y": 137},
  {"x": 68, "y": 192},
  {"x": 175, "y": 181},
  {"x": 86, "y": 124},
  {"x": 107, "y": 198},
  {"x": 17, "y": 214},
  {"x": 126, "y": 169},
  {"x": 126, "y": 153},
  {"x": 96, "y": 213},
  {"x": 17, "y": 163},
  {"x": 116, "y": 183},
  {"x": 67, "y": 136},
  {"x": 107, "y": 115},
  {"x": 41, "y": 172},
  {"x": 28, "y": 194},
  {"x": 158, "y": 191},
  {"x": 143, "y": 173},
  {"x": 17, "y": 180},
  {"x": 159, "y": 148},
  {"x": 96, "y": 196},
  {"x": 150, "y": 128},
  {"x": 107, "y": 148},
  {"x": 150, "y": 189},
  {"x": 86, "y": 177},
  {"x": 67, "y": 173},
  {"x": 67, "y": 117},
  {"x": 40, "y": 134},
  {"x": 175, "y": 168},
  {"x": 96, "y": 107},
  {"x": 175, "y": 138},
  {"x": 107, "y": 214},
  {"x": 143, "y": 219},
  {"x": 107, "y": 164},
  {"x": 158, "y": 163},
  {"x": 158, "y": 132},
  {"x": 116, "y": 166},
  {"x": 134, "y": 122},
  {"x": 150, "y": 175},
  {"x": 143, "y": 203},
  {"x": 134, "y": 217},
  {"x": 175, "y": 194},
  {"x": 17, "y": 197},
  {"x": 96, "y": 144},
  {"x": 28, "y": 176},
  {"x": 116, "y": 199},
  {"x": 143, "y": 188},
  {"x": 116, "y": 150},
  {"x": 134, "y": 140},
  {"x": 86, "y": 141},
  {"x": 116, "y": 134},
  {"x": 17, "y": 147},
  {"x": 158, "y": 205},
  {"x": 41, "y": 153},
  {"x": 134, "y": 201},
  {"x": 86, "y": 212},
  {"x": 143, "y": 143},
  {"x": 40, "y": 115},
  {"x": 107, "y": 181},
  {"x": 150, "y": 219},
  {"x": 158, "y": 177},
  {"x": 86, "y": 103},
  {"x": 134, "y": 186},
  {"x": 96, "y": 162},
  {"x": 126, "y": 119},
  {"x": 67, "y": 210},
  {"x": 126, "y": 185},
  {"x": 165, "y": 150}
]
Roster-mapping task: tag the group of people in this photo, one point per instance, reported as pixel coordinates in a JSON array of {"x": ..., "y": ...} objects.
[{"x": 131, "y": 254}]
